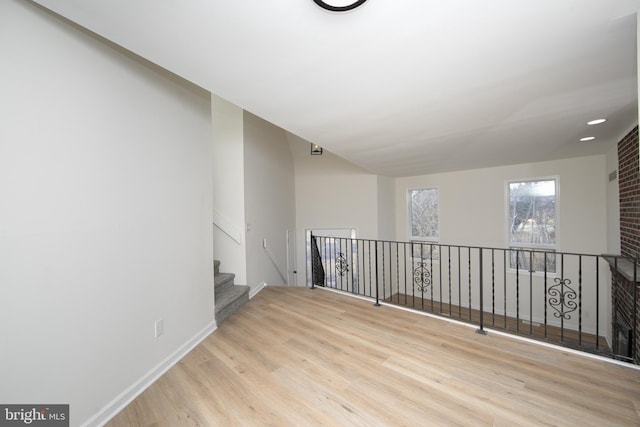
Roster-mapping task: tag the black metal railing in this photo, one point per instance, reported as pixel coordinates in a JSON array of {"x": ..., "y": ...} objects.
[{"x": 557, "y": 297}]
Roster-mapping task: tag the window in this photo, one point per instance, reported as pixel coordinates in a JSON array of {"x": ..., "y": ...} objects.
[
  {"x": 532, "y": 224},
  {"x": 424, "y": 225}
]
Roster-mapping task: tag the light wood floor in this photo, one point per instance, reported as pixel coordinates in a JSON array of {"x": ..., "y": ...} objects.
[
  {"x": 551, "y": 335},
  {"x": 302, "y": 357}
]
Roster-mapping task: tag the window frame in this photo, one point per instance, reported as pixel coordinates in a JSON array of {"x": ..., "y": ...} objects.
[
  {"x": 419, "y": 241},
  {"x": 536, "y": 247}
]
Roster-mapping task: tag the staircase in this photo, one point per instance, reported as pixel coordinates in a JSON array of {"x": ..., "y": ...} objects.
[{"x": 229, "y": 296}]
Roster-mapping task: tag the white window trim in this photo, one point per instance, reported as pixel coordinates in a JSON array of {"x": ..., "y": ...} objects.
[
  {"x": 555, "y": 247},
  {"x": 411, "y": 238},
  {"x": 424, "y": 240}
]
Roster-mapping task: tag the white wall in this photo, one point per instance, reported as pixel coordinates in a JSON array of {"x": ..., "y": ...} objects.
[
  {"x": 269, "y": 200},
  {"x": 331, "y": 193},
  {"x": 105, "y": 215},
  {"x": 228, "y": 188},
  {"x": 386, "y": 208},
  {"x": 473, "y": 203}
]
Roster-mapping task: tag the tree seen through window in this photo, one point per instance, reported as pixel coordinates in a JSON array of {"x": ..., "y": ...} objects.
[{"x": 532, "y": 224}]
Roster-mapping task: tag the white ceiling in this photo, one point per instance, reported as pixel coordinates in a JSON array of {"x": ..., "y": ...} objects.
[{"x": 401, "y": 87}]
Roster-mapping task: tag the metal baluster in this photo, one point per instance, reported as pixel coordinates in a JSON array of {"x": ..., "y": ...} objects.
[
  {"x": 313, "y": 268},
  {"x": 377, "y": 304},
  {"x": 517, "y": 290},
  {"x": 634, "y": 350},
  {"x": 480, "y": 268},
  {"x": 597, "y": 303},
  {"x": 504, "y": 281},
  {"x": 398, "y": 270},
  {"x": 339, "y": 264},
  {"x": 469, "y": 250},
  {"x": 545, "y": 296},
  {"x": 356, "y": 267},
  {"x": 331, "y": 248},
  {"x": 459, "y": 285},
  {"x": 439, "y": 278},
  {"x": 493, "y": 288},
  {"x": 449, "y": 275},
  {"x": 384, "y": 275},
  {"x": 325, "y": 260},
  {"x": 614, "y": 297},
  {"x": 354, "y": 264},
  {"x": 580, "y": 300},
  {"x": 562, "y": 294},
  {"x": 431, "y": 271},
  {"x": 413, "y": 267},
  {"x": 404, "y": 262},
  {"x": 370, "y": 273},
  {"x": 423, "y": 263},
  {"x": 530, "y": 292},
  {"x": 312, "y": 254}
]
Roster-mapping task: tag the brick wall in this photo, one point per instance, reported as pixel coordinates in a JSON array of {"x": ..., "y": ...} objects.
[{"x": 629, "y": 188}]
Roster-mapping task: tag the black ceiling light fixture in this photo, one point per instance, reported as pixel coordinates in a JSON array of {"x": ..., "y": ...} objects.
[{"x": 331, "y": 5}]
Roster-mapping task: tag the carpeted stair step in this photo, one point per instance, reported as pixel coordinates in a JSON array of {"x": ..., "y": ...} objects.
[
  {"x": 228, "y": 300},
  {"x": 223, "y": 280},
  {"x": 229, "y": 297}
]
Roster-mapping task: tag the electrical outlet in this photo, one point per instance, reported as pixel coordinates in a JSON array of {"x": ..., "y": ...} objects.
[{"x": 159, "y": 327}]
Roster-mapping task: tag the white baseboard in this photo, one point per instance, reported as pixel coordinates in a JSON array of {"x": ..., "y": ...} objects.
[
  {"x": 254, "y": 291},
  {"x": 133, "y": 391}
]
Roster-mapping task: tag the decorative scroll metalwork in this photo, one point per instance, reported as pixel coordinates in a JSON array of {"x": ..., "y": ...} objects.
[
  {"x": 342, "y": 266},
  {"x": 561, "y": 298},
  {"x": 422, "y": 277}
]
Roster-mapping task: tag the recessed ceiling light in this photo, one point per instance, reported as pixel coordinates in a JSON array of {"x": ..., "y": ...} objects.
[
  {"x": 596, "y": 122},
  {"x": 587, "y": 138}
]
